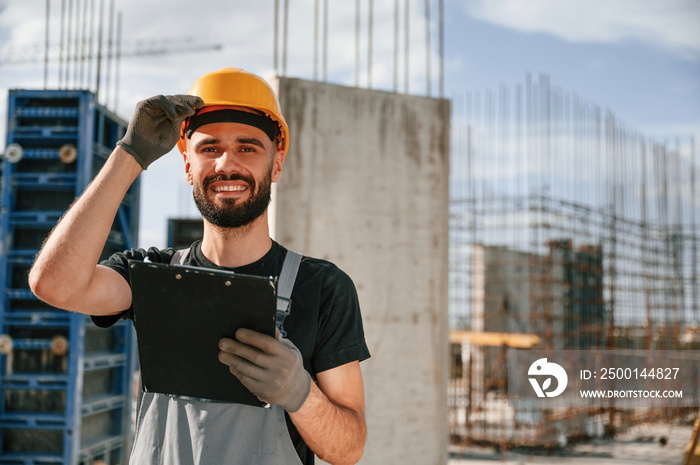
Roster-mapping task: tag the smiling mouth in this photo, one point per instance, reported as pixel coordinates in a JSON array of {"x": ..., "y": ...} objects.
[{"x": 229, "y": 188}]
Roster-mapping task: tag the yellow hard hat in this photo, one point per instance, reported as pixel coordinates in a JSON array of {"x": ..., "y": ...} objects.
[{"x": 236, "y": 87}]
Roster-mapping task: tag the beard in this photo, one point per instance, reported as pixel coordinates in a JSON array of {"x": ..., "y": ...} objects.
[{"x": 233, "y": 213}]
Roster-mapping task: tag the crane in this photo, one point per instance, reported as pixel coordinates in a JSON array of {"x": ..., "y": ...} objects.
[
  {"x": 75, "y": 62},
  {"x": 34, "y": 54}
]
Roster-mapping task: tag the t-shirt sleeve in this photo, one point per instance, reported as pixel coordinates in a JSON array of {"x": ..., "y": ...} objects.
[
  {"x": 119, "y": 262},
  {"x": 341, "y": 337}
]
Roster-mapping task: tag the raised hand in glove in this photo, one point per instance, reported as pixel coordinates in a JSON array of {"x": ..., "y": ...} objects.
[
  {"x": 155, "y": 127},
  {"x": 271, "y": 368}
]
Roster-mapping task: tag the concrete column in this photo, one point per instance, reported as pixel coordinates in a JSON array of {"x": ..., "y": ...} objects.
[{"x": 365, "y": 185}]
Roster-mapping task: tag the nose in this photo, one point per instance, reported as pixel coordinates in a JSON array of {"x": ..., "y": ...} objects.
[{"x": 227, "y": 162}]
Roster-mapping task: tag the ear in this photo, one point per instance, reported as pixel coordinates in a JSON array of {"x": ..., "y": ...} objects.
[
  {"x": 277, "y": 163},
  {"x": 188, "y": 169}
]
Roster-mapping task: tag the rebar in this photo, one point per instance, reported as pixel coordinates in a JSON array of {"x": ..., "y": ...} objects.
[{"x": 568, "y": 224}]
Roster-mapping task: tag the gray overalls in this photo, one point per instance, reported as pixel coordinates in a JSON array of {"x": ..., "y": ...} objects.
[{"x": 172, "y": 430}]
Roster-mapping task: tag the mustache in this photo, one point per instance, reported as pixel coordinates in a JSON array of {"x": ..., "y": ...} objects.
[{"x": 228, "y": 177}]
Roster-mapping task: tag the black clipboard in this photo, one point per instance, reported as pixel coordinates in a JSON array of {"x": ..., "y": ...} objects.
[{"x": 181, "y": 312}]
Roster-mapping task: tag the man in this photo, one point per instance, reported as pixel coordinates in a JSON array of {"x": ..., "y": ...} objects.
[{"x": 234, "y": 139}]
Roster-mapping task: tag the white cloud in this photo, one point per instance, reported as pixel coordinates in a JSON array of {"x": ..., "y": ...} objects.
[
  {"x": 682, "y": 131},
  {"x": 672, "y": 24}
]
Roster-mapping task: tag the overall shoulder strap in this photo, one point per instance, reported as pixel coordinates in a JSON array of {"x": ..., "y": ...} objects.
[{"x": 285, "y": 285}]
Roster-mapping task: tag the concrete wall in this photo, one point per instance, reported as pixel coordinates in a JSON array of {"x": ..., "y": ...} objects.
[{"x": 365, "y": 185}]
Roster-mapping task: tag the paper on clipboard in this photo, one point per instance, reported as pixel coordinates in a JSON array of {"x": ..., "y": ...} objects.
[{"x": 181, "y": 312}]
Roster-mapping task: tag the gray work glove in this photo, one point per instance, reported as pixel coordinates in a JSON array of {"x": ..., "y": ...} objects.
[
  {"x": 155, "y": 127},
  {"x": 270, "y": 368}
]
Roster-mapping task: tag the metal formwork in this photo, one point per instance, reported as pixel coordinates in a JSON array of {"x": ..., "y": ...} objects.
[{"x": 67, "y": 386}]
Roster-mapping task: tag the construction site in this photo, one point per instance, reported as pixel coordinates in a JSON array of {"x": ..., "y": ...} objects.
[
  {"x": 515, "y": 218},
  {"x": 568, "y": 231}
]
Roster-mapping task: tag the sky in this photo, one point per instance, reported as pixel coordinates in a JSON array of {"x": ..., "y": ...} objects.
[{"x": 638, "y": 58}]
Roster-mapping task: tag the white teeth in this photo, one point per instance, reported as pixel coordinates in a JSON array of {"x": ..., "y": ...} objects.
[{"x": 230, "y": 188}]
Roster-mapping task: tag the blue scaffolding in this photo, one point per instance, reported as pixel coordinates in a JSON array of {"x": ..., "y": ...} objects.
[{"x": 67, "y": 386}]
